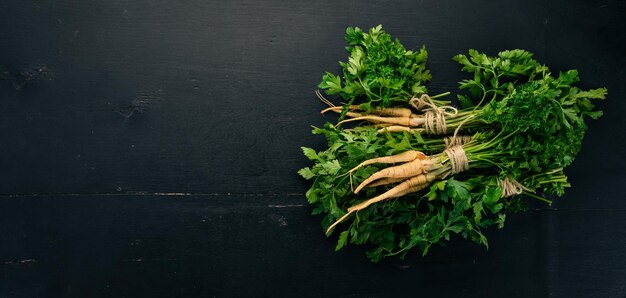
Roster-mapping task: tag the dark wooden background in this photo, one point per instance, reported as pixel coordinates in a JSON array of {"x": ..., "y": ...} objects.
[{"x": 149, "y": 148}]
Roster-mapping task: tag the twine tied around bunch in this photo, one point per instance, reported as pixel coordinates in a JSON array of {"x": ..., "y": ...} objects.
[
  {"x": 418, "y": 102},
  {"x": 458, "y": 159},
  {"x": 511, "y": 187},
  {"x": 434, "y": 116},
  {"x": 456, "y": 140}
]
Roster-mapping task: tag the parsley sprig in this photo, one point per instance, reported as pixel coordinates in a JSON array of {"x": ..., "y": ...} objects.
[{"x": 380, "y": 71}]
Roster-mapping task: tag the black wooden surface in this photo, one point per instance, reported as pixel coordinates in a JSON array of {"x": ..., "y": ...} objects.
[{"x": 149, "y": 148}]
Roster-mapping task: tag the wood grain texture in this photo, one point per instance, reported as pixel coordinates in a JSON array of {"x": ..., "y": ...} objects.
[
  {"x": 235, "y": 83},
  {"x": 119, "y": 245},
  {"x": 237, "y": 246},
  {"x": 105, "y": 106}
]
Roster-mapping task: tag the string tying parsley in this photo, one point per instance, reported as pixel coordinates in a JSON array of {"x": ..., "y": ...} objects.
[
  {"x": 434, "y": 116},
  {"x": 456, "y": 140},
  {"x": 511, "y": 187},
  {"x": 458, "y": 159}
]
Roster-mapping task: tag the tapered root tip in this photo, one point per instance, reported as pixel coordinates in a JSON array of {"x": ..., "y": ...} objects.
[
  {"x": 334, "y": 109},
  {"x": 358, "y": 188},
  {"x": 347, "y": 120},
  {"x": 337, "y": 222}
]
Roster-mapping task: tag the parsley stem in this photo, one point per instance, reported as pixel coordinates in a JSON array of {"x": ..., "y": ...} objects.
[
  {"x": 440, "y": 95},
  {"x": 532, "y": 195}
]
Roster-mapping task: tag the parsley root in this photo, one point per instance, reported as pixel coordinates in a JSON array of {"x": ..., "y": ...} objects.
[
  {"x": 414, "y": 184},
  {"x": 406, "y": 170},
  {"x": 394, "y": 112},
  {"x": 401, "y": 157},
  {"x": 385, "y": 181}
]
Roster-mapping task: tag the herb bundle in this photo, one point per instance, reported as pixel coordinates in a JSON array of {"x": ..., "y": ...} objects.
[{"x": 418, "y": 170}]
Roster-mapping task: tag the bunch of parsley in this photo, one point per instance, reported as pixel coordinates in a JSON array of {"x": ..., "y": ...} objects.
[{"x": 525, "y": 123}]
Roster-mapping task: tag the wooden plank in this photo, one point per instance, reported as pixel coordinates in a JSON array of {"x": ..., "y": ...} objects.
[
  {"x": 119, "y": 245},
  {"x": 585, "y": 253},
  {"x": 206, "y": 97},
  {"x": 116, "y": 245}
]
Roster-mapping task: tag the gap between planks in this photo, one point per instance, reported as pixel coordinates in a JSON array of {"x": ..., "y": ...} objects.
[{"x": 227, "y": 194}]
